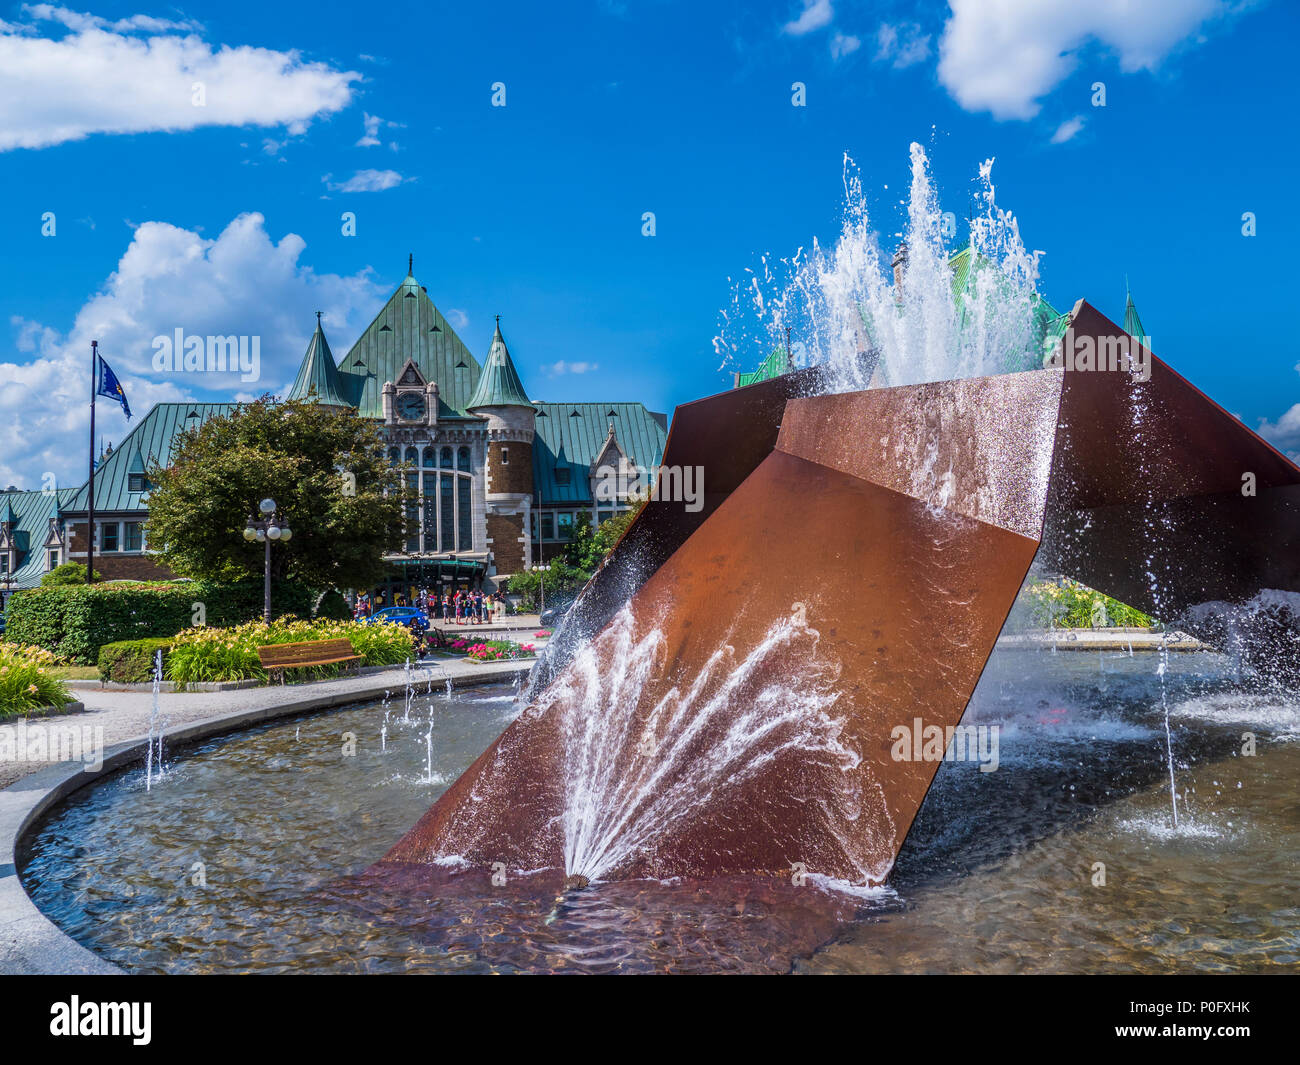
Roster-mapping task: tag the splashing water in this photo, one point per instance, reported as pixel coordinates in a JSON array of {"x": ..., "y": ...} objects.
[
  {"x": 947, "y": 319},
  {"x": 634, "y": 772}
]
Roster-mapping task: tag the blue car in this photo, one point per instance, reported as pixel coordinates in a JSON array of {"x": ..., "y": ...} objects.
[{"x": 399, "y": 615}]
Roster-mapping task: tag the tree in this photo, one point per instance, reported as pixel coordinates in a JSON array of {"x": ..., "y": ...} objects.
[
  {"x": 324, "y": 467},
  {"x": 68, "y": 573}
]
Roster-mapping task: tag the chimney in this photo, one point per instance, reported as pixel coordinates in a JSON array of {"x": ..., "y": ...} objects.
[{"x": 900, "y": 266}]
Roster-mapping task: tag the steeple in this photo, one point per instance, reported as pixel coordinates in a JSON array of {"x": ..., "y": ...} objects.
[
  {"x": 1132, "y": 323},
  {"x": 318, "y": 371},
  {"x": 499, "y": 384}
]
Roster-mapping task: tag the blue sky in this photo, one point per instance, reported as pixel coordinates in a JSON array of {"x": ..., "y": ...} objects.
[{"x": 226, "y": 218}]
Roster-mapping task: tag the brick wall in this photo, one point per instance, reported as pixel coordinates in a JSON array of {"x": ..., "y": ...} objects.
[
  {"x": 516, "y": 476},
  {"x": 504, "y": 532}
]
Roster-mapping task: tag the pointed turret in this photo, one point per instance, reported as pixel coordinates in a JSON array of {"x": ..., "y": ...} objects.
[
  {"x": 319, "y": 372},
  {"x": 1132, "y": 323},
  {"x": 499, "y": 384}
]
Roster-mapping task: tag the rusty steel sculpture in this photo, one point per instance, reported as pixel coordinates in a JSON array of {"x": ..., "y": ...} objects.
[{"x": 872, "y": 542}]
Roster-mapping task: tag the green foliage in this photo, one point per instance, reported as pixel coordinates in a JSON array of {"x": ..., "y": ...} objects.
[
  {"x": 25, "y": 681},
  {"x": 324, "y": 466},
  {"x": 75, "y": 621},
  {"x": 562, "y": 581},
  {"x": 68, "y": 573},
  {"x": 1071, "y": 605},
  {"x": 333, "y": 607},
  {"x": 208, "y": 654},
  {"x": 131, "y": 661}
]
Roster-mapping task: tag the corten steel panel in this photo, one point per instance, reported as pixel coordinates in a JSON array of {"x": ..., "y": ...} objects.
[
  {"x": 900, "y": 524},
  {"x": 1146, "y": 501},
  {"x": 906, "y": 602}
]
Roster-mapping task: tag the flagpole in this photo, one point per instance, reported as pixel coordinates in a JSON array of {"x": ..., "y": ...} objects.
[{"x": 90, "y": 481}]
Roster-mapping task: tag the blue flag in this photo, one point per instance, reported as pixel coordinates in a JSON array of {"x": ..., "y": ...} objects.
[{"x": 108, "y": 385}]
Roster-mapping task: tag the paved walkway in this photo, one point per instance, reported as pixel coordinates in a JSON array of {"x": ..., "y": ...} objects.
[{"x": 124, "y": 715}]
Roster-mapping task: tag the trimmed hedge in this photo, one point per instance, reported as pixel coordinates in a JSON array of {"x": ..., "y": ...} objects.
[
  {"x": 334, "y": 607},
  {"x": 131, "y": 661},
  {"x": 74, "y": 622}
]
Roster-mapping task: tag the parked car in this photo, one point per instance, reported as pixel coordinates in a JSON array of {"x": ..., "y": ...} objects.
[{"x": 398, "y": 615}]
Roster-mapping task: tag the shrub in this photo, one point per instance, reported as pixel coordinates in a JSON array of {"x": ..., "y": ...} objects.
[
  {"x": 334, "y": 607},
  {"x": 131, "y": 661},
  {"x": 1071, "y": 605},
  {"x": 211, "y": 654},
  {"x": 24, "y": 683},
  {"x": 68, "y": 573},
  {"x": 75, "y": 621}
]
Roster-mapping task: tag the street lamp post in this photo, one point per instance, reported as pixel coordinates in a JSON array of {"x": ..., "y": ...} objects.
[
  {"x": 265, "y": 529},
  {"x": 543, "y": 569}
]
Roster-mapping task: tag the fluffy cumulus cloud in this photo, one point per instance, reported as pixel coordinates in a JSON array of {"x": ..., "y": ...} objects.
[
  {"x": 844, "y": 44},
  {"x": 65, "y": 75},
  {"x": 1005, "y": 56},
  {"x": 243, "y": 283},
  {"x": 816, "y": 14}
]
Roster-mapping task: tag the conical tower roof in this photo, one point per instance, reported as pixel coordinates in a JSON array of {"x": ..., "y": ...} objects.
[
  {"x": 1132, "y": 323},
  {"x": 499, "y": 384},
  {"x": 318, "y": 371}
]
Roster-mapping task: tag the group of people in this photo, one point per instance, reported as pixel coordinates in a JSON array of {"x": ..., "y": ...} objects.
[{"x": 466, "y": 607}]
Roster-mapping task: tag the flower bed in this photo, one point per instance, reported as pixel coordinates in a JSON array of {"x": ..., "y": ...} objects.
[
  {"x": 494, "y": 650},
  {"x": 25, "y": 683},
  {"x": 208, "y": 654}
]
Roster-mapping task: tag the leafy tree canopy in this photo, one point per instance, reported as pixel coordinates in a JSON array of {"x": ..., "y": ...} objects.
[
  {"x": 324, "y": 467},
  {"x": 68, "y": 573}
]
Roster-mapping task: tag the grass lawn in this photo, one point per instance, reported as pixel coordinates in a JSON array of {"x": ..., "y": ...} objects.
[{"x": 74, "y": 672}]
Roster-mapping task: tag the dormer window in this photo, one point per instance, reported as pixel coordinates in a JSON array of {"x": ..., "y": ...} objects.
[{"x": 135, "y": 482}]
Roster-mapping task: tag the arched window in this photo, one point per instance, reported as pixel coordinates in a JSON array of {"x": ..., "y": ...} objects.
[
  {"x": 394, "y": 456},
  {"x": 445, "y": 458},
  {"x": 462, "y": 459},
  {"x": 429, "y": 457},
  {"x": 412, "y": 456}
]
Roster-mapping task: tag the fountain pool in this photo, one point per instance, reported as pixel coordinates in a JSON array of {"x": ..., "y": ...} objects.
[{"x": 251, "y": 854}]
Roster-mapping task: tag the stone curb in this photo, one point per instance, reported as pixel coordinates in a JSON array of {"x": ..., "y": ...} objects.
[
  {"x": 69, "y": 707},
  {"x": 30, "y": 943}
]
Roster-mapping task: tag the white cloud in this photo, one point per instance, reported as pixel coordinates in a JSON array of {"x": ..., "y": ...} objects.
[
  {"x": 241, "y": 283},
  {"x": 458, "y": 318},
  {"x": 1004, "y": 57},
  {"x": 138, "y": 75},
  {"x": 902, "y": 44},
  {"x": 815, "y": 15},
  {"x": 372, "y": 124},
  {"x": 842, "y": 45},
  {"x": 366, "y": 181},
  {"x": 555, "y": 369},
  {"x": 1068, "y": 129},
  {"x": 1284, "y": 434}
]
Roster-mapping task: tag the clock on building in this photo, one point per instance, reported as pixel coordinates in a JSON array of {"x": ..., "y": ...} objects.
[{"x": 410, "y": 406}]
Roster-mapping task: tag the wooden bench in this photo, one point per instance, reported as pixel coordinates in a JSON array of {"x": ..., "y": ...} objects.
[{"x": 278, "y": 657}]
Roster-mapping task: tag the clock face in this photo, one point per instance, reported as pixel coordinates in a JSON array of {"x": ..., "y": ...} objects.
[{"x": 410, "y": 407}]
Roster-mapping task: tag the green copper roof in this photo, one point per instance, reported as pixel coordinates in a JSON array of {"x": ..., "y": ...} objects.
[
  {"x": 318, "y": 373},
  {"x": 408, "y": 327},
  {"x": 570, "y": 436},
  {"x": 774, "y": 365},
  {"x": 150, "y": 441},
  {"x": 32, "y": 512},
  {"x": 498, "y": 384}
]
